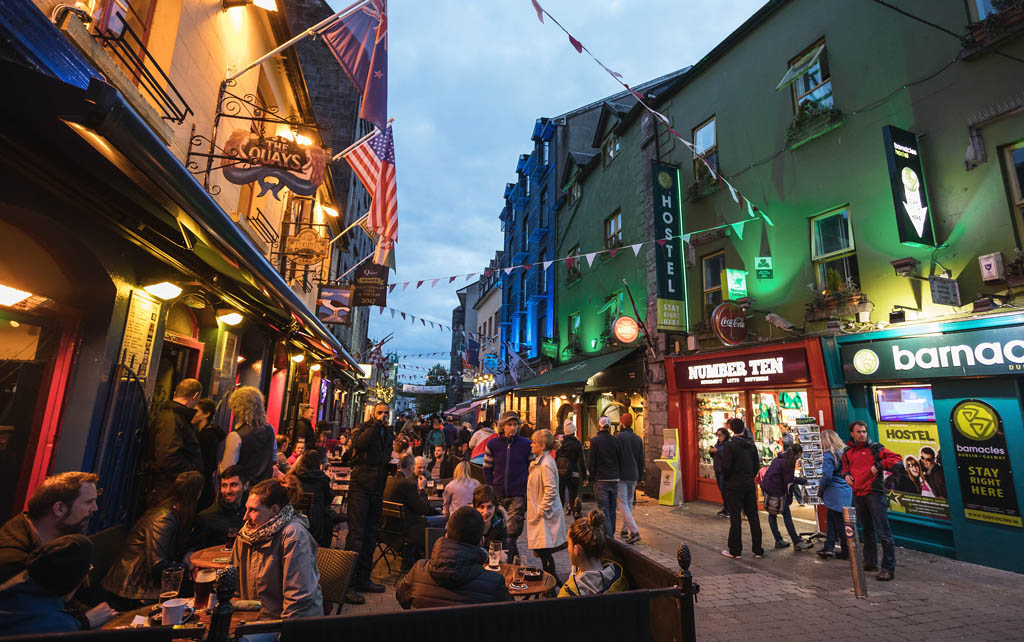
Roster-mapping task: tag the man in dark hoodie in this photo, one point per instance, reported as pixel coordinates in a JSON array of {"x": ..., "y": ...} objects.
[
  {"x": 605, "y": 465},
  {"x": 739, "y": 461},
  {"x": 506, "y": 468},
  {"x": 33, "y": 601},
  {"x": 174, "y": 446},
  {"x": 455, "y": 574}
]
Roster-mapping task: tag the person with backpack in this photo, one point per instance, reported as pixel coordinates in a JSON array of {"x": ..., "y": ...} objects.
[
  {"x": 777, "y": 486},
  {"x": 863, "y": 463},
  {"x": 835, "y": 493}
]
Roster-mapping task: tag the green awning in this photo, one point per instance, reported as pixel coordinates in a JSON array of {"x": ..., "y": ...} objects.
[{"x": 572, "y": 375}]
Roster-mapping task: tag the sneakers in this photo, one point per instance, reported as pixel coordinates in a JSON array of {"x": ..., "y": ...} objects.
[
  {"x": 633, "y": 539},
  {"x": 826, "y": 554},
  {"x": 803, "y": 545},
  {"x": 728, "y": 554},
  {"x": 884, "y": 576},
  {"x": 781, "y": 543}
]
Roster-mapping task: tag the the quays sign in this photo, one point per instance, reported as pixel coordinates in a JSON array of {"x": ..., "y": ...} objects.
[
  {"x": 992, "y": 351},
  {"x": 782, "y": 367}
]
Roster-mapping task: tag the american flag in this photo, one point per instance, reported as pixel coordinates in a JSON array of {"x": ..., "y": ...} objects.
[{"x": 373, "y": 162}]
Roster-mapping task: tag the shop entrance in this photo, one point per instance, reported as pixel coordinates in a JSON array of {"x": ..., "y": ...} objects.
[{"x": 181, "y": 354}]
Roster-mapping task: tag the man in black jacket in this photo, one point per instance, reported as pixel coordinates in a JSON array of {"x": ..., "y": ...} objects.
[
  {"x": 174, "y": 446},
  {"x": 227, "y": 512},
  {"x": 572, "y": 469},
  {"x": 605, "y": 465},
  {"x": 454, "y": 575},
  {"x": 739, "y": 461},
  {"x": 303, "y": 428},
  {"x": 632, "y": 470},
  {"x": 371, "y": 452},
  {"x": 409, "y": 489}
]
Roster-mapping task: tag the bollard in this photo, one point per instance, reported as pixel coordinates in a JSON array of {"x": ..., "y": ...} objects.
[
  {"x": 220, "y": 618},
  {"x": 860, "y": 586},
  {"x": 690, "y": 590}
]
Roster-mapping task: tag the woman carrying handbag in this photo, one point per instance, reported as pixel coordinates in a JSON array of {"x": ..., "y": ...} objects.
[{"x": 778, "y": 486}]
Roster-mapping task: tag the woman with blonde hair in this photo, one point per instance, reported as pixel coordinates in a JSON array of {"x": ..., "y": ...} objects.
[
  {"x": 459, "y": 492},
  {"x": 545, "y": 519},
  {"x": 251, "y": 444},
  {"x": 835, "y": 493}
]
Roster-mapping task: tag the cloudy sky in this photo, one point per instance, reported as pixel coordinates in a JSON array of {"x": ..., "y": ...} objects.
[{"x": 468, "y": 79}]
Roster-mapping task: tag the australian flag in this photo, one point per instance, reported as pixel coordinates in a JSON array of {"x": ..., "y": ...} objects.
[{"x": 360, "y": 43}]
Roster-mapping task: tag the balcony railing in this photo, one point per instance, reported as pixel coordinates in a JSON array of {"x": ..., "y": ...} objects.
[{"x": 128, "y": 50}]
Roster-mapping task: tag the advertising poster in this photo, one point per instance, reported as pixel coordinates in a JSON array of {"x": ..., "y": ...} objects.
[
  {"x": 983, "y": 464},
  {"x": 334, "y": 304},
  {"x": 920, "y": 487}
]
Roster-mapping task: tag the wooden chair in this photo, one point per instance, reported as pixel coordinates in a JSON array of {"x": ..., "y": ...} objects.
[
  {"x": 107, "y": 546},
  {"x": 391, "y": 537},
  {"x": 336, "y": 569},
  {"x": 432, "y": 535}
]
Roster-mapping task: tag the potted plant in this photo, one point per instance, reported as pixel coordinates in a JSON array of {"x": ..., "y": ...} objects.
[
  {"x": 811, "y": 120},
  {"x": 1007, "y": 17},
  {"x": 840, "y": 299}
]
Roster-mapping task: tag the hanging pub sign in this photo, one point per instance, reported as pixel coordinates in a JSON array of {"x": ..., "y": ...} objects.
[
  {"x": 909, "y": 193},
  {"x": 299, "y": 168},
  {"x": 780, "y": 367},
  {"x": 306, "y": 247},
  {"x": 626, "y": 329},
  {"x": 490, "y": 363},
  {"x": 734, "y": 284},
  {"x": 730, "y": 323},
  {"x": 334, "y": 304},
  {"x": 668, "y": 227},
  {"x": 983, "y": 464},
  {"x": 370, "y": 282}
]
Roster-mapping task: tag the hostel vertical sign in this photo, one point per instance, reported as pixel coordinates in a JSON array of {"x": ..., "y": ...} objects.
[
  {"x": 668, "y": 218},
  {"x": 983, "y": 464},
  {"x": 909, "y": 193}
]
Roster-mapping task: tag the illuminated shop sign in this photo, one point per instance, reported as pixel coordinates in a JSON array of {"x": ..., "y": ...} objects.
[
  {"x": 285, "y": 162},
  {"x": 990, "y": 351},
  {"x": 781, "y": 367},
  {"x": 909, "y": 193},
  {"x": 668, "y": 217},
  {"x": 626, "y": 329}
]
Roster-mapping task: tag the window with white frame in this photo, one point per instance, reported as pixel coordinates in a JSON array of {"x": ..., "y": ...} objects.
[
  {"x": 1015, "y": 168},
  {"x": 705, "y": 142},
  {"x": 981, "y": 9},
  {"x": 575, "y": 191},
  {"x": 610, "y": 149},
  {"x": 712, "y": 266},
  {"x": 833, "y": 252},
  {"x": 613, "y": 230},
  {"x": 573, "y": 264},
  {"x": 542, "y": 280},
  {"x": 809, "y": 79},
  {"x": 574, "y": 328},
  {"x": 613, "y": 308}
]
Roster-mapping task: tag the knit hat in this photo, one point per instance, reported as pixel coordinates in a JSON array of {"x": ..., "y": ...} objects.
[
  {"x": 604, "y": 422},
  {"x": 569, "y": 427},
  {"x": 508, "y": 416},
  {"x": 60, "y": 565},
  {"x": 626, "y": 420}
]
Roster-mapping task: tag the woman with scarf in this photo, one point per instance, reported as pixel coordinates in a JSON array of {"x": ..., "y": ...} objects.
[{"x": 276, "y": 556}]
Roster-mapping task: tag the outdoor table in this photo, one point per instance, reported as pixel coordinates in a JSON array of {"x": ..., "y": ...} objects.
[
  {"x": 204, "y": 558},
  {"x": 124, "y": 619},
  {"x": 534, "y": 588}
]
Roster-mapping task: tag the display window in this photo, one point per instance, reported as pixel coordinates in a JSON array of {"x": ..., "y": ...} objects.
[
  {"x": 775, "y": 414},
  {"x": 714, "y": 409},
  {"x": 906, "y": 426}
]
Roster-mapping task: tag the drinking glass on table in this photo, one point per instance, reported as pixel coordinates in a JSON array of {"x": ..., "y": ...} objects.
[
  {"x": 205, "y": 580},
  {"x": 494, "y": 556},
  {"x": 519, "y": 574},
  {"x": 232, "y": 534},
  {"x": 170, "y": 583}
]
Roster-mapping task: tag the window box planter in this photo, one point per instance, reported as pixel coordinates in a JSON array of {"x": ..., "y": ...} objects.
[
  {"x": 810, "y": 123},
  {"x": 1005, "y": 23},
  {"x": 839, "y": 305},
  {"x": 703, "y": 186}
]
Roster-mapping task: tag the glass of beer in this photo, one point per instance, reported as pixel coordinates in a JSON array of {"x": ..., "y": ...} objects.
[
  {"x": 206, "y": 578},
  {"x": 232, "y": 534},
  {"x": 494, "y": 556},
  {"x": 170, "y": 583}
]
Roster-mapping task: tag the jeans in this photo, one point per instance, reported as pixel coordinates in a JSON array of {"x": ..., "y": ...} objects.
[
  {"x": 874, "y": 524},
  {"x": 627, "y": 489},
  {"x": 836, "y": 533},
  {"x": 516, "y": 509},
  {"x": 787, "y": 519},
  {"x": 743, "y": 502},
  {"x": 721, "y": 488},
  {"x": 607, "y": 494},
  {"x": 569, "y": 490},
  {"x": 364, "y": 510}
]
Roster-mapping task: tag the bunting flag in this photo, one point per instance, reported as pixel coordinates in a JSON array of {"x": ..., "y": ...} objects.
[
  {"x": 738, "y": 228},
  {"x": 547, "y": 264},
  {"x": 636, "y": 248},
  {"x": 590, "y": 259}
]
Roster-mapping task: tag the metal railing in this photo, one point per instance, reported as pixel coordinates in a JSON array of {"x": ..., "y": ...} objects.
[
  {"x": 259, "y": 222},
  {"x": 128, "y": 49}
]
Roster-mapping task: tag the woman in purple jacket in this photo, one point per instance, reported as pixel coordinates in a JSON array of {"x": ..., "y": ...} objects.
[{"x": 778, "y": 481}]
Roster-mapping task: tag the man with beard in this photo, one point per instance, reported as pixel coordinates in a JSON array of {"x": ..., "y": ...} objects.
[
  {"x": 370, "y": 457},
  {"x": 227, "y": 512},
  {"x": 61, "y": 505}
]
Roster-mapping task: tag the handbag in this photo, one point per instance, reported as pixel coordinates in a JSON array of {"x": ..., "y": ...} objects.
[{"x": 773, "y": 504}]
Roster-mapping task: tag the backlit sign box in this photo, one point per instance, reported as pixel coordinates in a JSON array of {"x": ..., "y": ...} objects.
[
  {"x": 909, "y": 192},
  {"x": 781, "y": 367},
  {"x": 669, "y": 266}
]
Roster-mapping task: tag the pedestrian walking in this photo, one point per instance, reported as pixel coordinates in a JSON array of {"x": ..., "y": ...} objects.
[
  {"x": 545, "y": 519},
  {"x": 863, "y": 463},
  {"x": 835, "y": 493},
  {"x": 370, "y": 457},
  {"x": 572, "y": 469},
  {"x": 778, "y": 483},
  {"x": 739, "y": 465},
  {"x": 632, "y": 448},
  {"x": 605, "y": 464},
  {"x": 722, "y": 434},
  {"x": 506, "y": 469}
]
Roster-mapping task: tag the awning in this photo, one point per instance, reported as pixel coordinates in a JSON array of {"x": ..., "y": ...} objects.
[{"x": 571, "y": 377}]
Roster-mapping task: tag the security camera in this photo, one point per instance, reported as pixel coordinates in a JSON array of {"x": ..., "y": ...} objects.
[
  {"x": 905, "y": 266},
  {"x": 779, "y": 322}
]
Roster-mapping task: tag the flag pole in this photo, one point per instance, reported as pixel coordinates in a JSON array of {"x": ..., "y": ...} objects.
[
  {"x": 359, "y": 142},
  {"x": 361, "y": 261},
  {"x": 345, "y": 231},
  {"x": 340, "y": 15}
]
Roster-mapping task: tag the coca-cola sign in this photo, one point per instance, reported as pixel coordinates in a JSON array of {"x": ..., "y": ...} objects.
[{"x": 730, "y": 323}]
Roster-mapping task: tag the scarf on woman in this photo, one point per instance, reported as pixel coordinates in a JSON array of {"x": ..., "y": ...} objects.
[{"x": 262, "y": 533}]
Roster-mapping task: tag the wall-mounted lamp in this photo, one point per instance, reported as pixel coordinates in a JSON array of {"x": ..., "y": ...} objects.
[
  {"x": 268, "y": 5},
  {"x": 329, "y": 211},
  {"x": 240, "y": 359},
  {"x": 11, "y": 296},
  {"x": 229, "y": 316},
  {"x": 905, "y": 266},
  {"x": 164, "y": 290},
  {"x": 315, "y": 367},
  {"x": 299, "y": 358},
  {"x": 593, "y": 344}
]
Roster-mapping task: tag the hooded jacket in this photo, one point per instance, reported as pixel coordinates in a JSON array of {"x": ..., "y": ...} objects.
[
  {"x": 739, "y": 461},
  {"x": 507, "y": 465},
  {"x": 858, "y": 460},
  {"x": 26, "y": 607},
  {"x": 632, "y": 455},
  {"x": 454, "y": 575},
  {"x": 610, "y": 579},
  {"x": 321, "y": 519},
  {"x": 605, "y": 457},
  {"x": 778, "y": 481},
  {"x": 18, "y": 538}
]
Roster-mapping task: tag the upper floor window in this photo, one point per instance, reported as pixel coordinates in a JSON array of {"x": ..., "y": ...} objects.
[
  {"x": 545, "y": 150},
  {"x": 542, "y": 280},
  {"x": 1015, "y": 165},
  {"x": 613, "y": 230},
  {"x": 573, "y": 266},
  {"x": 543, "y": 208},
  {"x": 574, "y": 328},
  {"x": 712, "y": 265},
  {"x": 981, "y": 9},
  {"x": 833, "y": 252},
  {"x": 526, "y": 187},
  {"x": 705, "y": 142},
  {"x": 809, "y": 79},
  {"x": 613, "y": 308},
  {"x": 575, "y": 191},
  {"x": 610, "y": 149}
]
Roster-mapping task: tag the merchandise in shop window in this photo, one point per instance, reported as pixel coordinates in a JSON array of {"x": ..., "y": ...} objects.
[
  {"x": 809, "y": 433},
  {"x": 713, "y": 411},
  {"x": 772, "y": 411}
]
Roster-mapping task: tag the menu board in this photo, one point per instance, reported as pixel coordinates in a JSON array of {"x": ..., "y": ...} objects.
[
  {"x": 139, "y": 333},
  {"x": 809, "y": 433}
]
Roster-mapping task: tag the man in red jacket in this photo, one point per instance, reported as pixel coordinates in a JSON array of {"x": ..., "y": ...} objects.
[{"x": 863, "y": 463}]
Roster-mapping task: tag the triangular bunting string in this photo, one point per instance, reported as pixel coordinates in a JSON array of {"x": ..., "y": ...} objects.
[
  {"x": 636, "y": 248},
  {"x": 590, "y": 259},
  {"x": 738, "y": 228}
]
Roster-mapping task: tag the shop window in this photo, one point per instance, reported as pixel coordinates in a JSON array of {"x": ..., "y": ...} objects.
[
  {"x": 610, "y": 149},
  {"x": 833, "y": 252},
  {"x": 613, "y": 230},
  {"x": 714, "y": 409},
  {"x": 809, "y": 79},
  {"x": 775, "y": 414},
  {"x": 712, "y": 273},
  {"x": 705, "y": 142}
]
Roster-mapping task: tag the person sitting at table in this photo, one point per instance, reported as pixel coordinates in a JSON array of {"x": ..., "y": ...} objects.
[
  {"x": 276, "y": 556},
  {"x": 545, "y": 519},
  {"x": 444, "y": 463},
  {"x": 316, "y": 482},
  {"x": 591, "y": 575},
  {"x": 33, "y": 601},
  {"x": 485, "y": 501},
  {"x": 282, "y": 458},
  {"x": 298, "y": 451},
  {"x": 455, "y": 573},
  {"x": 228, "y": 512},
  {"x": 459, "y": 492},
  {"x": 344, "y": 451},
  {"x": 156, "y": 542},
  {"x": 400, "y": 447},
  {"x": 421, "y": 468},
  {"x": 409, "y": 490}
]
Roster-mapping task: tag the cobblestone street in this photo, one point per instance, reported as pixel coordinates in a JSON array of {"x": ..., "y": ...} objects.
[{"x": 799, "y": 595}]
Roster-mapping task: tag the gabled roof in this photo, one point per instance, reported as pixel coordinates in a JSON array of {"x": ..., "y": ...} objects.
[
  {"x": 576, "y": 160},
  {"x": 610, "y": 114}
]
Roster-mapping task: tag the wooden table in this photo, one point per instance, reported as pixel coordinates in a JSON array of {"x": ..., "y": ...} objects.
[
  {"x": 534, "y": 588},
  {"x": 124, "y": 619},
  {"x": 206, "y": 558}
]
